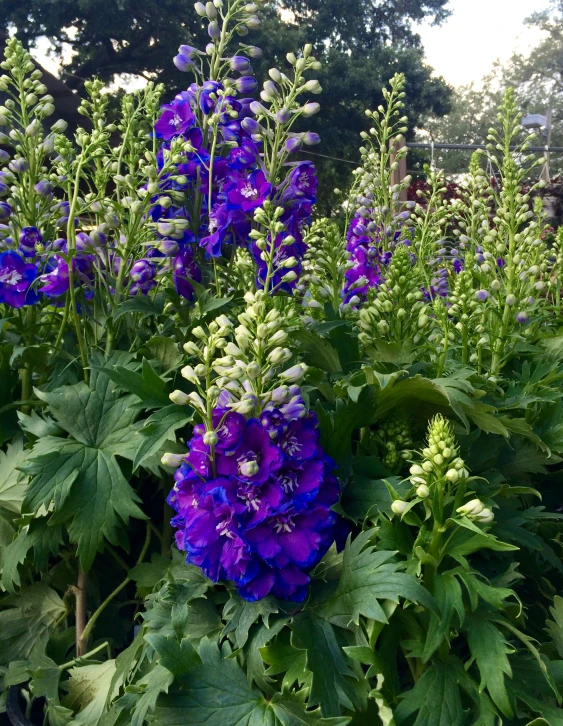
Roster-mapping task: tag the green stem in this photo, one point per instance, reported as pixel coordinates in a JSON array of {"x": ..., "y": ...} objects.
[
  {"x": 91, "y": 653},
  {"x": 89, "y": 627}
]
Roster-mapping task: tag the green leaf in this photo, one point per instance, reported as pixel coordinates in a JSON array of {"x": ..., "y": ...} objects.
[
  {"x": 148, "y": 386},
  {"x": 217, "y": 694},
  {"x": 159, "y": 428},
  {"x": 38, "y": 426},
  {"x": 317, "y": 351},
  {"x": 12, "y": 482},
  {"x": 141, "y": 305},
  {"x": 435, "y": 699},
  {"x": 241, "y": 615},
  {"x": 282, "y": 657},
  {"x": 554, "y": 627},
  {"x": 449, "y": 599},
  {"x": 331, "y": 687},
  {"x": 486, "y": 421},
  {"x": 152, "y": 685},
  {"x": 165, "y": 351},
  {"x": 28, "y": 621},
  {"x": 178, "y": 657},
  {"x": 89, "y": 688},
  {"x": 367, "y": 577},
  {"x": 79, "y": 477},
  {"x": 337, "y": 426},
  {"x": 366, "y": 493},
  {"x": 36, "y": 536},
  {"x": 490, "y": 649}
]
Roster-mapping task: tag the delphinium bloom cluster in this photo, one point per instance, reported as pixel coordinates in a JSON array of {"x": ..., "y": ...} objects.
[
  {"x": 29, "y": 215},
  {"x": 254, "y": 492},
  {"x": 237, "y": 152},
  {"x": 377, "y": 223}
]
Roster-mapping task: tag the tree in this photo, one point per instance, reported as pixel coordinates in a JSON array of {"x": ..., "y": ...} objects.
[
  {"x": 537, "y": 78},
  {"x": 362, "y": 43}
]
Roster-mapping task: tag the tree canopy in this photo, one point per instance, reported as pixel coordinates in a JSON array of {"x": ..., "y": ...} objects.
[{"x": 361, "y": 43}]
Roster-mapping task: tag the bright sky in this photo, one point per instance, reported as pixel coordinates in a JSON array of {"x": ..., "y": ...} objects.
[{"x": 478, "y": 32}]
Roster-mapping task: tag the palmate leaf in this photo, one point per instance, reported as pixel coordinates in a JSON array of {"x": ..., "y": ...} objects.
[
  {"x": 490, "y": 649},
  {"x": 241, "y": 615},
  {"x": 217, "y": 694},
  {"x": 12, "y": 482},
  {"x": 89, "y": 688},
  {"x": 36, "y": 536},
  {"x": 79, "y": 476},
  {"x": 367, "y": 577},
  {"x": 333, "y": 679},
  {"x": 28, "y": 621},
  {"x": 435, "y": 699},
  {"x": 554, "y": 627}
]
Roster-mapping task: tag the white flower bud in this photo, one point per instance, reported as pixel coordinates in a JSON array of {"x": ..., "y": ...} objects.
[
  {"x": 484, "y": 516},
  {"x": 173, "y": 461},
  {"x": 180, "y": 398},
  {"x": 423, "y": 491},
  {"x": 210, "y": 438},
  {"x": 427, "y": 466},
  {"x": 416, "y": 470},
  {"x": 452, "y": 475},
  {"x": 475, "y": 506},
  {"x": 189, "y": 374},
  {"x": 294, "y": 373},
  {"x": 253, "y": 370},
  {"x": 399, "y": 506}
]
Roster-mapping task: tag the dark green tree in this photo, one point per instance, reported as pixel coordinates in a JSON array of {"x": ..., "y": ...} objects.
[{"x": 361, "y": 43}]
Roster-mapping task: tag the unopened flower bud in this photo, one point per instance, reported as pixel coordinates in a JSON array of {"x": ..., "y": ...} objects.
[
  {"x": 422, "y": 491},
  {"x": 180, "y": 398},
  {"x": 399, "y": 506},
  {"x": 172, "y": 461},
  {"x": 210, "y": 438}
]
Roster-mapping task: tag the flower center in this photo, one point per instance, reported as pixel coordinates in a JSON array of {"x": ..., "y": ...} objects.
[
  {"x": 223, "y": 529},
  {"x": 284, "y": 524},
  {"x": 250, "y": 498},
  {"x": 11, "y": 278},
  {"x": 248, "y": 191},
  {"x": 248, "y": 465},
  {"x": 176, "y": 121},
  {"x": 291, "y": 445},
  {"x": 288, "y": 482}
]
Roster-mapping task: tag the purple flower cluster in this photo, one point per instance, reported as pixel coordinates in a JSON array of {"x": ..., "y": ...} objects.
[
  {"x": 256, "y": 509},
  {"x": 234, "y": 181}
]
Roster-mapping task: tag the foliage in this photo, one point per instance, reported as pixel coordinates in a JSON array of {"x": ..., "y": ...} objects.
[{"x": 258, "y": 472}]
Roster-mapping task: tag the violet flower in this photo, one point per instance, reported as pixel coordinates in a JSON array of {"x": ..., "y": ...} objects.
[{"x": 16, "y": 277}]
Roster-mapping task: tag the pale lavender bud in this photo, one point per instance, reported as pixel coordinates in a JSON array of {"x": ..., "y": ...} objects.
[
  {"x": 293, "y": 144},
  {"x": 213, "y": 30},
  {"x": 257, "y": 108},
  {"x": 168, "y": 247},
  {"x": 43, "y": 188},
  {"x": 253, "y": 22},
  {"x": 165, "y": 228},
  {"x": 200, "y": 10},
  {"x": 250, "y": 125},
  {"x": 311, "y": 138},
  {"x": 481, "y": 295},
  {"x": 522, "y": 317},
  {"x": 18, "y": 166},
  {"x": 4, "y": 156},
  {"x": 253, "y": 51},
  {"x": 188, "y": 50},
  {"x": 210, "y": 10},
  {"x": 283, "y": 115},
  {"x": 511, "y": 300},
  {"x": 183, "y": 63},
  {"x": 246, "y": 84},
  {"x": 310, "y": 109},
  {"x": 239, "y": 63},
  {"x": 270, "y": 88}
]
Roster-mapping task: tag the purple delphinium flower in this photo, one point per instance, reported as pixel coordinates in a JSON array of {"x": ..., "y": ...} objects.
[
  {"x": 57, "y": 281},
  {"x": 185, "y": 270},
  {"x": 175, "y": 120},
  {"x": 143, "y": 274},
  {"x": 247, "y": 192},
  {"x": 29, "y": 237},
  {"x": 5, "y": 210},
  {"x": 16, "y": 277},
  {"x": 259, "y": 512}
]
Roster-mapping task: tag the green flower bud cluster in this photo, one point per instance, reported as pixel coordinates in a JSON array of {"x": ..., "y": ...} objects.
[
  {"x": 440, "y": 457},
  {"x": 395, "y": 436},
  {"x": 250, "y": 364},
  {"x": 324, "y": 267},
  {"x": 398, "y": 312}
]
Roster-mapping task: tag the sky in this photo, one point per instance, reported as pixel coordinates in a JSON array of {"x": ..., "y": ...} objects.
[{"x": 464, "y": 48}]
